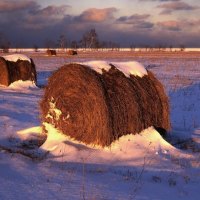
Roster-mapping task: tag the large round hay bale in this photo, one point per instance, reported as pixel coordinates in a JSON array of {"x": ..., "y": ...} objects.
[
  {"x": 98, "y": 108},
  {"x": 17, "y": 67}
]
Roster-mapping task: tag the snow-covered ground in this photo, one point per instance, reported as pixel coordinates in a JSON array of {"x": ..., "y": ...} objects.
[{"x": 143, "y": 167}]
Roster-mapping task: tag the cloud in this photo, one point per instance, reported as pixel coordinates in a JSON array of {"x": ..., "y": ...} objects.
[
  {"x": 51, "y": 11},
  {"x": 13, "y": 6},
  {"x": 170, "y": 25},
  {"x": 168, "y": 8},
  {"x": 182, "y": 25},
  {"x": 144, "y": 25},
  {"x": 159, "y": 0},
  {"x": 28, "y": 23},
  {"x": 131, "y": 19},
  {"x": 47, "y": 16},
  {"x": 97, "y": 15},
  {"x": 138, "y": 21},
  {"x": 30, "y": 15}
]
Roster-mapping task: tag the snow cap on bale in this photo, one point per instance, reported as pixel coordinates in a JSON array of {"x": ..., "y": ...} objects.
[
  {"x": 128, "y": 68},
  {"x": 16, "y": 67},
  {"x": 16, "y": 57},
  {"x": 97, "y": 102}
]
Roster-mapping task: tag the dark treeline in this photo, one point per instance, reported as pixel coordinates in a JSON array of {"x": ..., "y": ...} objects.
[{"x": 89, "y": 40}]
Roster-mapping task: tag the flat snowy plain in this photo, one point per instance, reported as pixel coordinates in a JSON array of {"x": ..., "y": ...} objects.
[{"x": 142, "y": 167}]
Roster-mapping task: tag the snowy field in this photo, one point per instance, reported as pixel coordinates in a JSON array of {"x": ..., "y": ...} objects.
[{"x": 141, "y": 167}]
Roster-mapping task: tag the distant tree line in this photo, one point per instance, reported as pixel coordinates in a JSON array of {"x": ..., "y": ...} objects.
[
  {"x": 4, "y": 43},
  {"x": 89, "y": 40},
  {"x": 158, "y": 47}
]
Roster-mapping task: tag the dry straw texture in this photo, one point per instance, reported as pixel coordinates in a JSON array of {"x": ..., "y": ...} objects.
[
  {"x": 99, "y": 108},
  {"x": 14, "y": 71}
]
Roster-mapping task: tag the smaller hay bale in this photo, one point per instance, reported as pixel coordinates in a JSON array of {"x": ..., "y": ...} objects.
[
  {"x": 72, "y": 52},
  {"x": 51, "y": 52},
  {"x": 17, "y": 67}
]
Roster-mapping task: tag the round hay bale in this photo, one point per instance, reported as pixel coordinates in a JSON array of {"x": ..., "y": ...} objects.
[
  {"x": 72, "y": 52},
  {"x": 99, "y": 108},
  {"x": 14, "y": 68},
  {"x": 51, "y": 52},
  {"x": 75, "y": 102}
]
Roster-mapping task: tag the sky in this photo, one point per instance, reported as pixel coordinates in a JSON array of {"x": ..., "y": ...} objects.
[{"x": 26, "y": 23}]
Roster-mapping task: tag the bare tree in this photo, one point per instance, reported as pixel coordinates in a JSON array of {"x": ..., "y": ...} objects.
[
  {"x": 182, "y": 47},
  {"x": 4, "y": 43},
  {"x": 49, "y": 44},
  {"x": 132, "y": 47},
  {"x": 35, "y": 46},
  {"x": 90, "y": 39},
  {"x": 74, "y": 44},
  {"x": 171, "y": 47},
  {"x": 62, "y": 42}
]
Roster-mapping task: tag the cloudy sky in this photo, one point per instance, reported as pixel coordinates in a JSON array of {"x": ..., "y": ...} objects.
[{"x": 171, "y": 22}]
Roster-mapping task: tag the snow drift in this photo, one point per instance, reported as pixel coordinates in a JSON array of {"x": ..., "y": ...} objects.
[{"x": 98, "y": 108}]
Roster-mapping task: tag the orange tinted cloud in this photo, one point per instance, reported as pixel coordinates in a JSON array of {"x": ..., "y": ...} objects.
[
  {"x": 168, "y": 8},
  {"x": 97, "y": 15},
  {"x": 9, "y": 6}
]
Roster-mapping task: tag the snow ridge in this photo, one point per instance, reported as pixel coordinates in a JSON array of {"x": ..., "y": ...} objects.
[
  {"x": 16, "y": 57},
  {"x": 128, "y": 68}
]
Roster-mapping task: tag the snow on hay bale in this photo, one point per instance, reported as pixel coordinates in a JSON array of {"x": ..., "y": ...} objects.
[
  {"x": 51, "y": 52},
  {"x": 100, "y": 103},
  {"x": 16, "y": 67}
]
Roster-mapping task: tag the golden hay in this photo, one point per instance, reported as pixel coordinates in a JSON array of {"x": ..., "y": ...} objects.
[{"x": 99, "y": 108}]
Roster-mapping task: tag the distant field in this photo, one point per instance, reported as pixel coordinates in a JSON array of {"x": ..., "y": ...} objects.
[
  {"x": 144, "y": 166},
  {"x": 105, "y": 54}
]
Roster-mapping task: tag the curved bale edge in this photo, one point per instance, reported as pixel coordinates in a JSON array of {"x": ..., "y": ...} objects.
[
  {"x": 4, "y": 73},
  {"x": 164, "y": 117}
]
